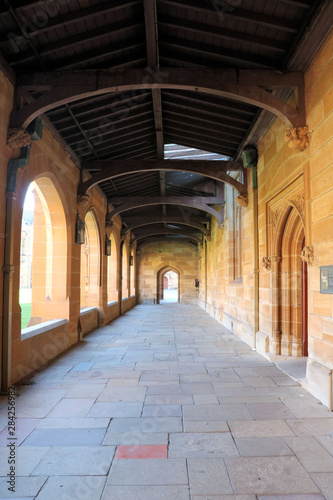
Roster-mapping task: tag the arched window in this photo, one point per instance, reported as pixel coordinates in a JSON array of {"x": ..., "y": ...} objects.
[
  {"x": 112, "y": 272},
  {"x": 43, "y": 266},
  {"x": 132, "y": 274},
  {"x": 90, "y": 263},
  {"x": 124, "y": 271}
]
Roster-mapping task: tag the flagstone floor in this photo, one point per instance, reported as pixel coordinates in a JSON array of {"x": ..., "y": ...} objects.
[{"x": 166, "y": 404}]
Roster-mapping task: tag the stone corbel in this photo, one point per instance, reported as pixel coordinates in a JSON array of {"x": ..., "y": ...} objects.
[
  {"x": 108, "y": 223},
  {"x": 298, "y": 138},
  {"x": 307, "y": 255},
  {"x": 220, "y": 224},
  {"x": 208, "y": 238},
  {"x": 267, "y": 263},
  {"x": 18, "y": 138},
  {"x": 83, "y": 200},
  {"x": 242, "y": 200}
]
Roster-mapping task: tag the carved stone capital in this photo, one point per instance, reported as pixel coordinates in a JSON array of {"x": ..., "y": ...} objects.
[
  {"x": 242, "y": 200},
  {"x": 307, "y": 254},
  {"x": 267, "y": 263},
  {"x": 298, "y": 138},
  {"x": 83, "y": 200},
  {"x": 220, "y": 224},
  {"x": 18, "y": 138},
  {"x": 108, "y": 223},
  {"x": 208, "y": 238}
]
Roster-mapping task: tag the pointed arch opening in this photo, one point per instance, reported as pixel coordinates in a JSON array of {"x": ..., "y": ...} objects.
[
  {"x": 168, "y": 285},
  {"x": 113, "y": 271},
  {"x": 90, "y": 263},
  {"x": 43, "y": 256},
  {"x": 292, "y": 285}
]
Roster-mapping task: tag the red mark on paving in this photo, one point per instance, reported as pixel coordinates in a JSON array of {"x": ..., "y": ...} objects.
[{"x": 142, "y": 451}]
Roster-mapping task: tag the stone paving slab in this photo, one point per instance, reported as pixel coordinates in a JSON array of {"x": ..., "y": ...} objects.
[
  {"x": 72, "y": 487},
  {"x": 263, "y": 447},
  {"x": 136, "y": 438},
  {"x": 73, "y": 423},
  {"x": 260, "y": 428},
  {"x": 217, "y": 412},
  {"x": 24, "y": 487},
  {"x": 65, "y": 437},
  {"x": 146, "y": 492},
  {"x": 202, "y": 445},
  {"x": 26, "y": 459},
  {"x": 324, "y": 481},
  {"x": 145, "y": 425},
  {"x": 208, "y": 476},
  {"x": 76, "y": 461},
  {"x": 268, "y": 475},
  {"x": 115, "y": 409},
  {"x": 148, "y": 472},
  {"x": 245, "y": 423}
]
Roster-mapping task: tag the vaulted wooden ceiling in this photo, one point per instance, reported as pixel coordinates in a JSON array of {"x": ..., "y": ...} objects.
[{"x": 71, "y": 35}]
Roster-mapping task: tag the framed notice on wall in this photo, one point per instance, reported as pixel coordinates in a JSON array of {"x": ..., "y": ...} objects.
[{"x": 326, "y": 279}]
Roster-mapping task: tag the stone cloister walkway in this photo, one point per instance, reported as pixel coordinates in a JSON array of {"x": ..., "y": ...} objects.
[{"x": 165, "y": 404}]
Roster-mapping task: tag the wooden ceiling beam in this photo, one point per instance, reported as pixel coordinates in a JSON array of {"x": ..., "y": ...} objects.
[
  {"x": 197, "y": 202},
  {"x": 166, "y": 237},
  {"x": 219, "y": 54},
  {"x": 128, "y": 151},
  {"x": 150, "y": 11},
  {"x": 216, "y": 31},
  {"x": 79, "y": 15},
  {"x": 110, "y": 50},
  {"x": 204, "y": 130},
  {"x": 206, "y": 144},
  {"x": 116, "y": 133},
  {"x": 108, "y": 120},
  {"x": 210, "y": 128},
  {"x": 139, "y": 138},
  {"x": 74, "y": 41},
  {"x": 244, "y": 85},
  {"x": 111, "y": 169},
  {"x": 178, "y": 232},
  {"x": 201, "y": 136},
  {"x": 237, "y": 108},
  {"x": 237, "y": 13},
  {"x": 195, "y": 222},
  {"x": 227, "y": 119},
  {"x": 102, "y": 103}
]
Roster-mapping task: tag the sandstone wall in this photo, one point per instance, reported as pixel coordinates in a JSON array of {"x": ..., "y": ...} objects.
[{"x": 153, "y": 257}]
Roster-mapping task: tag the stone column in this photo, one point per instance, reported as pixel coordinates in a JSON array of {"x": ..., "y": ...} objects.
[{"x": 275, "y": 343}]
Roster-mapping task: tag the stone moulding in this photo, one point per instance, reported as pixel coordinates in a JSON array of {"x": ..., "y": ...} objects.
[
  {"x": 297, "y": 138},
  {"x": 267, "y": 263},
  {"x": 18, "y": 138},
  {"x": 242, "y": 200},
  {"x": 83, "y": 200},
  {"x": 307, "y": 255}
]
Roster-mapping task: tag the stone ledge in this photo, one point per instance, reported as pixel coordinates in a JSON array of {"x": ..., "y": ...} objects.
[
  {"x": 32, "y": 331},
  {"x": 87, "y": 310},
  {"x": 113, "y": 303}
]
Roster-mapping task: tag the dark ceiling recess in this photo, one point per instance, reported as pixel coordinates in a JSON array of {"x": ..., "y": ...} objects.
[{"x": 143, "y": 124}]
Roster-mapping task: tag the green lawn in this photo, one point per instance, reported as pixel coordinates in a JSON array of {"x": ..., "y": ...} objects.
[{"x": 25, "y": 314}]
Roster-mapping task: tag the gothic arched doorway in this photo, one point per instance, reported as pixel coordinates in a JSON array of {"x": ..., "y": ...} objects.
[
  {"x": 292, "y": 286},
  {"x": 168, "y": 285}
]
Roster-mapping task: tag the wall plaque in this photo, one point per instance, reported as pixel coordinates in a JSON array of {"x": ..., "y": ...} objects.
[{"x": 326, "y": 279}]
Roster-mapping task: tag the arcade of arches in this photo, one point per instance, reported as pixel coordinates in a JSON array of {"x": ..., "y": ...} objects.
[{"x": 274, "y": 304}]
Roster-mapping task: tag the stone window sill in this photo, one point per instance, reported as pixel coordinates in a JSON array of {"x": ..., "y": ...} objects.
[
  {"x": 237, "y": 281},
  {"x": 113, "y": 303},
  {"x": 33, "y": 331},
  {"x": 87, "y": 310}
]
